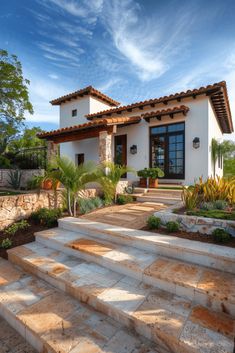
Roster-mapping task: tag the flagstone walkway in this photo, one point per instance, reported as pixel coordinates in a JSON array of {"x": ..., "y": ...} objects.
[{"x": 132, "y": 215}]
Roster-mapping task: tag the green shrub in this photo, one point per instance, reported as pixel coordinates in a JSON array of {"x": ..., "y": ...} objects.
[
  {"x": 123, "y": 199},
  {"x": 46, "y": 217},
  {"x": 172, "y": 226},
  {"x": 220, "y": 204},
  {"x": 207, "y": 206},
  {"x": 12, "y": 229},
  {"x": 221, "y": 236},
  {"x": 97, "y": 202},
  {"x": 88, "y": 205},
  {"x": 153, "y": 222},
  {"x": 6, "y": 243}
]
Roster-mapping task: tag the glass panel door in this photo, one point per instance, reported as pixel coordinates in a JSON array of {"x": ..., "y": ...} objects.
[{"x": 167, "y": 149}]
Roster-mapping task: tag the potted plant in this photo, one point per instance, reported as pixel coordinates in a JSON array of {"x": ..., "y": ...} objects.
[
  {"x": 149, "y": 177},
  {"x": 154, "y": 174},
  {"x": 143, "y": 174}
]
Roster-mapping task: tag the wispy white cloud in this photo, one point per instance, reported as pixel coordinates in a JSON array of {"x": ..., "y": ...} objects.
[
  {"x": 109, "y": 84},
  {"x": 150, "y": 44},
  {"x": 53, "y": 76}
]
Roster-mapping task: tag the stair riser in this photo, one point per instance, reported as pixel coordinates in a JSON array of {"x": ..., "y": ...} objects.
[
  {"x": 33, "y": 339},
  {"x": 157, "y": 200},
  {"x": 196, "y": 296},
  {"x": 160, "y": 249},
  {"x": 83, "y": 295}
]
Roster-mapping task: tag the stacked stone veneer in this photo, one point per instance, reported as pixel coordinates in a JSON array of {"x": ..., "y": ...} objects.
[
  {"x": 196, "y": 224},
  {"x": 105, "y": 147},
  {"x": 27, "y": 175},
  {"x": 16, "y": 207}
]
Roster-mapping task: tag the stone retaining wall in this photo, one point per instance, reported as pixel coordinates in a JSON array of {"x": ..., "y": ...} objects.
[
  {"x": 27, "y": 174},
  {"x": 16, "y": 207},
  {"x": 196, "y": 224}
]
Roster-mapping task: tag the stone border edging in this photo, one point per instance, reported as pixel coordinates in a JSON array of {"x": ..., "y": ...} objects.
[{"x": 195, "y": 224}]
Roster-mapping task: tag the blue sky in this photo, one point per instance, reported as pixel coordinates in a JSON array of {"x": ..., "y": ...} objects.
[{"x": 131, "y": 50}]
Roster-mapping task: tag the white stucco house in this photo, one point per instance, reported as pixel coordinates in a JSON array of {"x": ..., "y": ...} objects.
[{"x": 173, "y": 132}]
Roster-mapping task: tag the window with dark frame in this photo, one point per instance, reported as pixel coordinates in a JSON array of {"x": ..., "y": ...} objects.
[
  {"x": 74, "y": 112},
  {"x": 167, "y": 149}
]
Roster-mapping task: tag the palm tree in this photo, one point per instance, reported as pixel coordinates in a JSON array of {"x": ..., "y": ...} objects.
[
  {"x": 73, "y": 178},
  {"x": 110, "y": 176}
]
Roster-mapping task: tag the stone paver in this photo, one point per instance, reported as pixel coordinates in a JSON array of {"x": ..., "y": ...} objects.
[
  {"x": 163, "y": 317},
  {"x": 11, "y": 341},
  {"x": 54, "y": 322},
  {"x": 129, "y": 215}
]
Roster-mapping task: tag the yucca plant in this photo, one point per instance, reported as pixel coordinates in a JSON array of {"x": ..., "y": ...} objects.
[
  {"x": 111, "y": 174},
  {"x": 190, "y": 197}
]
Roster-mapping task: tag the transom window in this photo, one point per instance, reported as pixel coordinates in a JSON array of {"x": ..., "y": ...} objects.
[
  {"x": 167, "y": 149},
  {"x": 74, "y": 112}
]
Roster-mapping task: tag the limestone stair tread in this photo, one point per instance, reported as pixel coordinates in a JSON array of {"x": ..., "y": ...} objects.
[
  {"x": 197, "y": 283},
  {"x": 54, "y": 322},
  {"x": 209, "y": 255},
  {"x": 172, "y": 322}
]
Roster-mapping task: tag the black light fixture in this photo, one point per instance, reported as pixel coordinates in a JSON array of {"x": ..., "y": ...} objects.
[
  {"x": 133, "y": 149},
  {"x": 196, "y": 142}
]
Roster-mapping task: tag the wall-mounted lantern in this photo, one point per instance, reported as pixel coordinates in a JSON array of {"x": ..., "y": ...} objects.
[
  {"x": 133, "y": 149},
  {"x": 196, "y": 142}
]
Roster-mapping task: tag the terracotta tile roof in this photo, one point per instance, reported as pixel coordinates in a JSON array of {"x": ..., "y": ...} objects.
[
  {"x": 86, "y": 91},
  {"x": 158, "y": 113},
  {"x": 217, "y": 93},
  {"x": 91, "y": 124}
]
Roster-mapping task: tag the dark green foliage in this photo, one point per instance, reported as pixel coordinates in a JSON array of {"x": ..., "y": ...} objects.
[
  {"x": 153, "y": 222},
  {"x": 218, "y": 214},
  {"x": 14, "y": 98},
  {"x": 5, "y": 163},
  {"x": 172, "y": 226},
  {"x": 153, "y": 173},
  {"x": 221, "y": 236},
  {"x": 6, "y": 243},
  {"x": 46, "y": 217},
  {"x": 123, "y": 199},
  {"x": 12, "y": 229},
  {"x": 15, "y": 178}
]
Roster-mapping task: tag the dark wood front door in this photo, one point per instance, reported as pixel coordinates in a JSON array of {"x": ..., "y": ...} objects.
[{"x": 120, "y": 152}]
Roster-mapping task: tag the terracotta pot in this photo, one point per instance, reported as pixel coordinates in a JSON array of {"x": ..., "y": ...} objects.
[
  {"x": 153, "y": 183},
  {"x": 143, "y": 182},
  {"x": 47, "y": 184}
]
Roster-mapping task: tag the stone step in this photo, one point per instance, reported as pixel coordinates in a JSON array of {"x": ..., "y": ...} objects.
[
  {"x": 194, "y": 282},
  {"x": 210, "y": 255},
  {"x": 172, "y": 322},
  {"x": 159, "y": 191},
  {"x": 168, "y": 200},
  {"x": 54, "y": 322}
]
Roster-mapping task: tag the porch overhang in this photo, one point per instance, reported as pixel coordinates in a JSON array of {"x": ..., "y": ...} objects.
[{"x": 88, "y": 130}]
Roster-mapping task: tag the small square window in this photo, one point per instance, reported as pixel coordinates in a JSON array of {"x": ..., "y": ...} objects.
[{"x": 74, "y": 112}]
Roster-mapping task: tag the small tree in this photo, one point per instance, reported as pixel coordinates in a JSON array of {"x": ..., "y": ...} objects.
[
  {"x": 14, "y": 98},
  {"x": 73, "y": 178},
  {"x": 215, "y": 150}
]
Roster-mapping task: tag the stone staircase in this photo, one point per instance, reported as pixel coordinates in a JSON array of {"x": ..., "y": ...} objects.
[
  {"x": 124, "y": 291},
  {"x": 166, "y": 196}
]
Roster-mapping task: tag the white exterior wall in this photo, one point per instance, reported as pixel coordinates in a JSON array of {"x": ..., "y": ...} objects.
[
  {"x": 200, "y": 122},
  {"x": 196, "y": 125},
  {"x": 214, "y": 132},
  {"x": 84, "y": 105}
]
